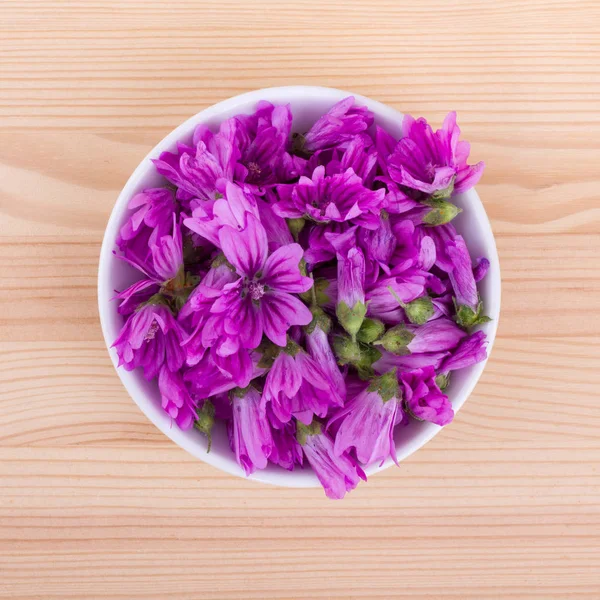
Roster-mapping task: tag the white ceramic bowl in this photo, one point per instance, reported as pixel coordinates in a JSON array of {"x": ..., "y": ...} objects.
[{"x": 307, "y": 103}]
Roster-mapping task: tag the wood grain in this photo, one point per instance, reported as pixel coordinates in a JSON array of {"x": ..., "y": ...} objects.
[{"x": 96, "y": 503}]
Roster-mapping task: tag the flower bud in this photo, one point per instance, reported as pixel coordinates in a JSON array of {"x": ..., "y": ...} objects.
[
  {"x": 419, "y": 310},
  {"x": 370, "y": 330},
  {"x": 467, "y": 317},
  {"x": 396, "y": 340},
  {"x": 441, "y": 212}
]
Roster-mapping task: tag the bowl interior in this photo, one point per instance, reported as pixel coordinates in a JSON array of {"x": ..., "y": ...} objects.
[{"x": 307, "y": 104}]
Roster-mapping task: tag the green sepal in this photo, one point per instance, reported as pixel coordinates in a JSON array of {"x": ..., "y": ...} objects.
[
  {"x": 370, "y": 330},
  {"x": 154, "y": 300},
  {"x": 441, "y": 212},
  {"x": 205, "y": 421},
  {"x": 269, "y": 352},
  {"x": 291, "y": 348},
  {"x": 445, "y": 193},
  {"x": 467, "y": 317},
  {"x": 303, "y": 431},
  {"x": 442, "y": 380},
  {"x": 386, "y": 385},
  {"x": 420, "y": 310},
  {"x": 360, "y": 356},
  {"x": 296, "y": 226},
  {"x": 396, "y": 340},
  {"x": 318, "y": 292},
  {"x": 320, "y": 319},
  {"x": 346, "y": 350},
  {"x": 351, "y": 318}
]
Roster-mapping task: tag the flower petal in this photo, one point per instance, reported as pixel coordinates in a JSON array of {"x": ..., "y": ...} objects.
[
  {"x": 246, "y": 250},
  {"x": 282, "y": 270},
  {"x": 280, "y": 311}
]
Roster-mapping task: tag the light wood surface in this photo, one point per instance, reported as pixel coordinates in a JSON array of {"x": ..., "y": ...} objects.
[{"x": 96, "y": 504}]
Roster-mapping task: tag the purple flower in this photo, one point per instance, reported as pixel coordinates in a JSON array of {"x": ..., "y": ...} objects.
[
  {"x": 196, "y": 171},
  {"x": 378, "y": 246},
  {"x": 433, "y": 163},
  {"x": 360, "y": 156},
  {"x": 442, "y": 235},
  {"x": 423, "y": 398},
  {"x": 208, "y": 218},
  {"x": 249, "y": 430},
  {"x": 286, "y": 452},
  {"x": 226, "y": 351},
  {"x": 383, "y": 297},
  {"x": 150, "y": 338},
  {"x": 278, "y": 232},
  {"x": 154, "y": 210},
  {"x": 261, "y": 300},
  {"x": 337, "y": 474},
  {"x": 469, "y": 351},
  {"x": 298, "y": 386},
  {"x": 206, "y": 379},
  {"x": 435, "y": 336},
  {"x": 351, "y": 308},
  {"x": 461, "y": 275},
  {"x": 130, "y": 298},
  {"x": 368, "y": 421},
  {"x": 399, "y": 203},
  {"x": 340, "y": 198},
  {"x": 481, "y": 268},
  {"x": 406, "y": 248},
  {"x": 167, "y": 254},
  {"x": 262, "y": 139},
  {"x": 175, "y": 398},
  {"x": 196, "y": 311},
  {"x": 468, "y": 306},
  {"x": 410, "y": 361},
  {"x": 318, "y": 246},
  {"x": 233, "y": 361},
  {"x": 340, "y": 124},
  {"x": 384, "y": 144},
  {"x": 317, "y": 344}
]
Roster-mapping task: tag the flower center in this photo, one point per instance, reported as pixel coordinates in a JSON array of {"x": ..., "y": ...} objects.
[
  {"x": 151, "y": 333},
  {"x": 254, "y": 169},
  {"x": 256, "y": 290}
]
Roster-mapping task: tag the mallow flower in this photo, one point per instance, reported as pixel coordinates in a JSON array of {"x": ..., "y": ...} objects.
[
  {"x": 366, "y": 423},
  {"x": 423, "y": 398},
  {"x": 261, "y": 301},
  {"x": 298, "y": 386},
  {"x": 249, "y": 430},
  {"x": 433, "y": 163},
  {"x": 337, "y": 474},
  {"x": 150, "y": 338}
]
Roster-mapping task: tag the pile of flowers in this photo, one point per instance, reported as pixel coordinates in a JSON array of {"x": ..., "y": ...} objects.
[{"x": 308, "y": 289}]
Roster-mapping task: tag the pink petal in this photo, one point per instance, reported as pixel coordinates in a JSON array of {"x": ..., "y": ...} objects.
[
  {"x": 280, "y": 311},
  {"x": 246, "y": 320},
  {"x": 246, "y": 250},
  {"x": 282, "y": 270}
]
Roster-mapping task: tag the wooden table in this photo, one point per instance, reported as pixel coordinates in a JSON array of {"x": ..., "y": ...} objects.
[{"x": 96, "y": 503}]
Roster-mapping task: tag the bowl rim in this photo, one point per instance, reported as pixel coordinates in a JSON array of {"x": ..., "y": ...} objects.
[{"x": 131, "y": 379}]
